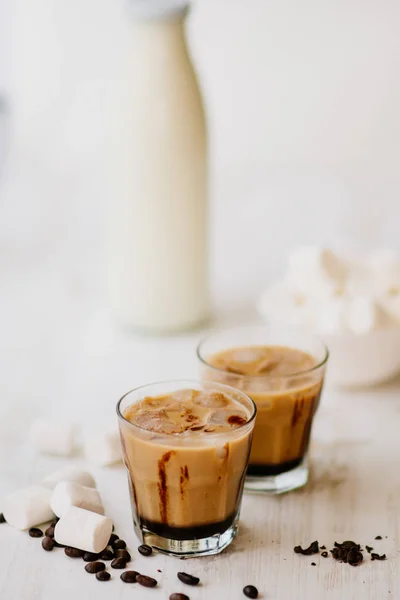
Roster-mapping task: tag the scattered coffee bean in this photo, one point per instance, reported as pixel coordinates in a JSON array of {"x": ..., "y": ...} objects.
[
  {"x": 146, "y": 581},
  {"x": 250, "y": 591},
  {"x": 145, "y": 550},
  {"x": 313, "y": 564},
  {"x": 354, "y": 558},
  {"x": 95, "y": 567},
  {"x": 129, "y": 576},
  {"x": 47, "y": 544},
  {"x": 124, "y": 554},
  {"x": 73, "y": 552},
  {"x": 35, "y": 532},
  {"x": 90, "y": 556},
  {"x": 49, "y": 531},
  {"x": 119, "y": 545},
  {"x": 375, "y": 556},
  {"x": 178, "y": 597},
  {"x": 378, "y": 537},
  {"x": 369, "y": 549},
  {"x": 118, "y": 563},
  {"x": 312, "y": 549},
  {"x": 2, "y": 518},
  {"x": 324, "y": 554},
  {"x": 113, "y": 538},
  {"x": 107, "y": 554},
  {"x": 188, "y": 579},
  {"x": 103, "y": 576}
]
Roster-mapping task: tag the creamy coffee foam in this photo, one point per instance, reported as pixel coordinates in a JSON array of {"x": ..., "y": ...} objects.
[{"x": 187, "y": 458}]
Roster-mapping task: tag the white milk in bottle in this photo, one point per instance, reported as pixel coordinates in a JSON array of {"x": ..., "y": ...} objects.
[{"x": 157, "y": 175}]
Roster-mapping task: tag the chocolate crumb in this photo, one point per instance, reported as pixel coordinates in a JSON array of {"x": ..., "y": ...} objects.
[
  {"x": 322, "y": 547},
  {"x": 369, "y": 548},
  {"x": 313, "y": 564},
  {"x": 313, "y": 548},
  {"x": 324, "y": 554},
  {"x": 2, "y": 518},
  {"x": 378, "y": 537},
  {"x": 375, "y": 556}
]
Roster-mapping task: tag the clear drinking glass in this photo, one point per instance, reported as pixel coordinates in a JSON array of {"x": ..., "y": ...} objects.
[
  {"x": 286, "y": 405},
  {"x": 186, "y": 490}
]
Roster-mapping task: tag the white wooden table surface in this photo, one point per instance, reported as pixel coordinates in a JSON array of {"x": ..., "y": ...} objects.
[{"x": 354, "y": 492}]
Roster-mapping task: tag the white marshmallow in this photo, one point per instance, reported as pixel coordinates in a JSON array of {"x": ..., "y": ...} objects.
[
  {"x": 67, "y": 493},
  {"x": 28, "y": 507},
  {"x": 278, "y": 304},
  {"x": 69, "y": 474},
  {"x": 103, "y": 448},
  {"x": 316, "y": 272},
  {"x": 53, "y": 437},
  {"x": 331, "y": 317},
  {"x": 385, "y": 271},
  {"x": 83, "y": 529},
  {"x": 364, "y": 315}
]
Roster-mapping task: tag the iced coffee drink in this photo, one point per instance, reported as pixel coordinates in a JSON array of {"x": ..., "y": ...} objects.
[
  {"x": 285, "y": 382},
  {"x": 186, "y": 448}
]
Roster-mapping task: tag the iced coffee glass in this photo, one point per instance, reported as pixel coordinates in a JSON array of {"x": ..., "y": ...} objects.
[
  {"x": 283, "y": 372},
  {"x": 186, "y": 449}
]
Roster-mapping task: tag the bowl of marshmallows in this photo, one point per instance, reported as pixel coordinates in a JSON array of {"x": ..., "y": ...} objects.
[{"x": 354, "y": 305}]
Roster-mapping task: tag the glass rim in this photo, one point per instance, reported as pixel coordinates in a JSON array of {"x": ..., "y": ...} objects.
[
  {"x": 178, "y": 381},
  {"x": 320, "y": 363}
]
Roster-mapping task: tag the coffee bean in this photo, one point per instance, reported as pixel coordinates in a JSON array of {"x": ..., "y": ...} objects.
[
  {"x": 118, "y": 563},
  {"x": 354, "y": 558},
  {"x": 2, "y": 518},
  {"x": 54, "y": 523},
  {"x": 250, "y": 591},
  {"x": 188, "y": 579},
  {"x": 124, "y": 554},
  {"x": 95, "y": 567},
  {"x": 378, "y": 537},
  {"x": 50, "y": 531},
  {"x": 107, "y": 554},
  {"x": 146, "y": 581},
  {"x": 47, "y": 544},
  {"x": 119, "y": 545},
  {"x": 178, "y": 597},
  {"x": 103, "y": 576},
  {"x": 145, "y": 550},
  {"x": 324, "y": 554},
  {"x": 90, "y": 556},
  {"x": 129, "y": 576},
  {"x": 113, "y": 538},
  {"x": 313, "y": 548},
  {"x": 35, "y": 532},
  {"x": 73, "y": 552}
]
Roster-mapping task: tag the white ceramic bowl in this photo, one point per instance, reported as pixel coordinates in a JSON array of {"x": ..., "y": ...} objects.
[{"x": 363, "y": 360}]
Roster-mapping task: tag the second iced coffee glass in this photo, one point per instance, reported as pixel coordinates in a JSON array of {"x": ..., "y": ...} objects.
[
  {"x": 186, "y": 488},
  {"x": 286, "y": 404}
]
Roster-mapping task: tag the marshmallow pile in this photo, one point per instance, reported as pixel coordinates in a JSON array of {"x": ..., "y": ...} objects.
[
  {"x": 328, "y": 294},
  {"x": 61, "y": 438},
  {"x": 71, "y": 495}
]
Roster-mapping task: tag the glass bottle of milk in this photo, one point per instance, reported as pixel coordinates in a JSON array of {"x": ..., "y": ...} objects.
[{"x": 157, "y": 167}]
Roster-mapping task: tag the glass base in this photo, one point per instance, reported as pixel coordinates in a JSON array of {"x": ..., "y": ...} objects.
[
  {"x": 278, "y": 484},
  {"x": 190, "y": 548}
]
